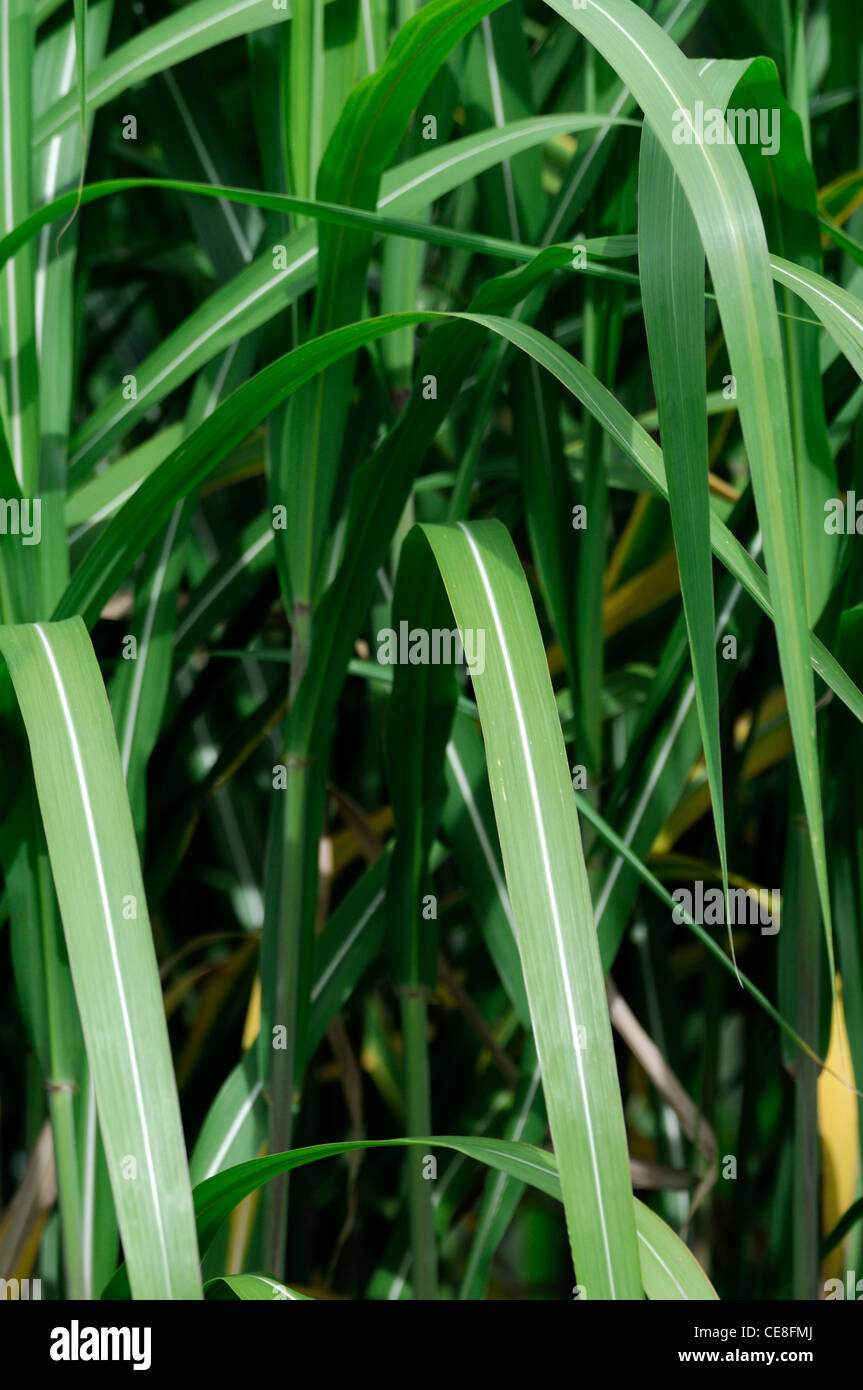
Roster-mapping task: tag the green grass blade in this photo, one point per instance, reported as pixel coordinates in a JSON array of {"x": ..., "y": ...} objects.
[
  {"x": 261, "y": 291},
  {"x": 20, "y": 382},
  {"x": 422, "y": 698},
  {"x": 541, "y": 844},
  {"x": 136, "y": 524},
  {"x": 141, "y": 682},
  {"x": 255, "y": 1288},
  {"x": 621, "y": 848},
  {"x": 724, "y": 206},
  {"x": 669, "y": 1269},
  {"x": 305, "y": 93},
  {"x": 59, "y": 165},
  {"x": 646, "y": 455},
  {"x": 98, "y": 878},
  {"x": 786, "y": 189},
  {"x": 839, "y": 310},
  {"x": 344, "y": 950},
  {"x": 468, "y": 820},
  {"x": 236, "y": 1123},
  {"x": 666, "y": 1267},
  {"x": 191, "y": 30},
  {"x": 362, "y": 145},
  {"x": 671, "y": 267},
  {"x": 48, "y": 1004},
  {"x": 527, "y": 1124}
]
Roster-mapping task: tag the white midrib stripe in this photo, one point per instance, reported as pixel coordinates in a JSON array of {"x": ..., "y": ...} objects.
[
  {"x": 502, "y": 1178},
  {"x": 239, "y": 1120},
  {"x": 176, "y": 42},
  {"x": 8, "y": 224},
  {"x": 552, "y": 896},
  {"x": 248, "y": 888},
  {"x": 659, "y": 1260},
  {"x": 146, "y": 636},
  {"x": 398, "y": 1283},
  {"x": 223, "y": 804},
  {"x": 709, "y": 163},
  {"x": 194, "y": 613},
  {"x": 394, "y": 196},
  {"x": 655, "y": 773},
  {"x": 466, "y": 790},
  {"x": 209, "y": 167},
  {"x": 732, "y": 219},
  {"x": 368, "y": 35},
  {"x": 660, "y": 762},
  {"x": 604, "y": 132},
  {"x": 5, "y": 38},
  {"x": 347, "y": 944},
  {"x": 725, "y": 203},
  {"x": 497, "y": 107},
  {"x": 519, "y": 1159},
  {"x": 288, "y": 1294},
  {"x": 201, "y": 339},
  {"x": 108, "y": 510},
  {"x": 52, "y": 165},
  {"x": 603, "y": 135},
  {"x": 221, "y": 378},
  {"x": 109, "y": 926},
  {"x": 224, "y": 809},
  {"x": 782, "y": 274}
]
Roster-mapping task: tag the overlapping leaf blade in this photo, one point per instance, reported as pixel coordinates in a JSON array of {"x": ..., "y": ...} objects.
[{"x": 95, "y": 865}]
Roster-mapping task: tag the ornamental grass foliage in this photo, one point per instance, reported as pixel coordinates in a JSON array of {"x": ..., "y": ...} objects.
[{"x": 430, "y": 667}]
